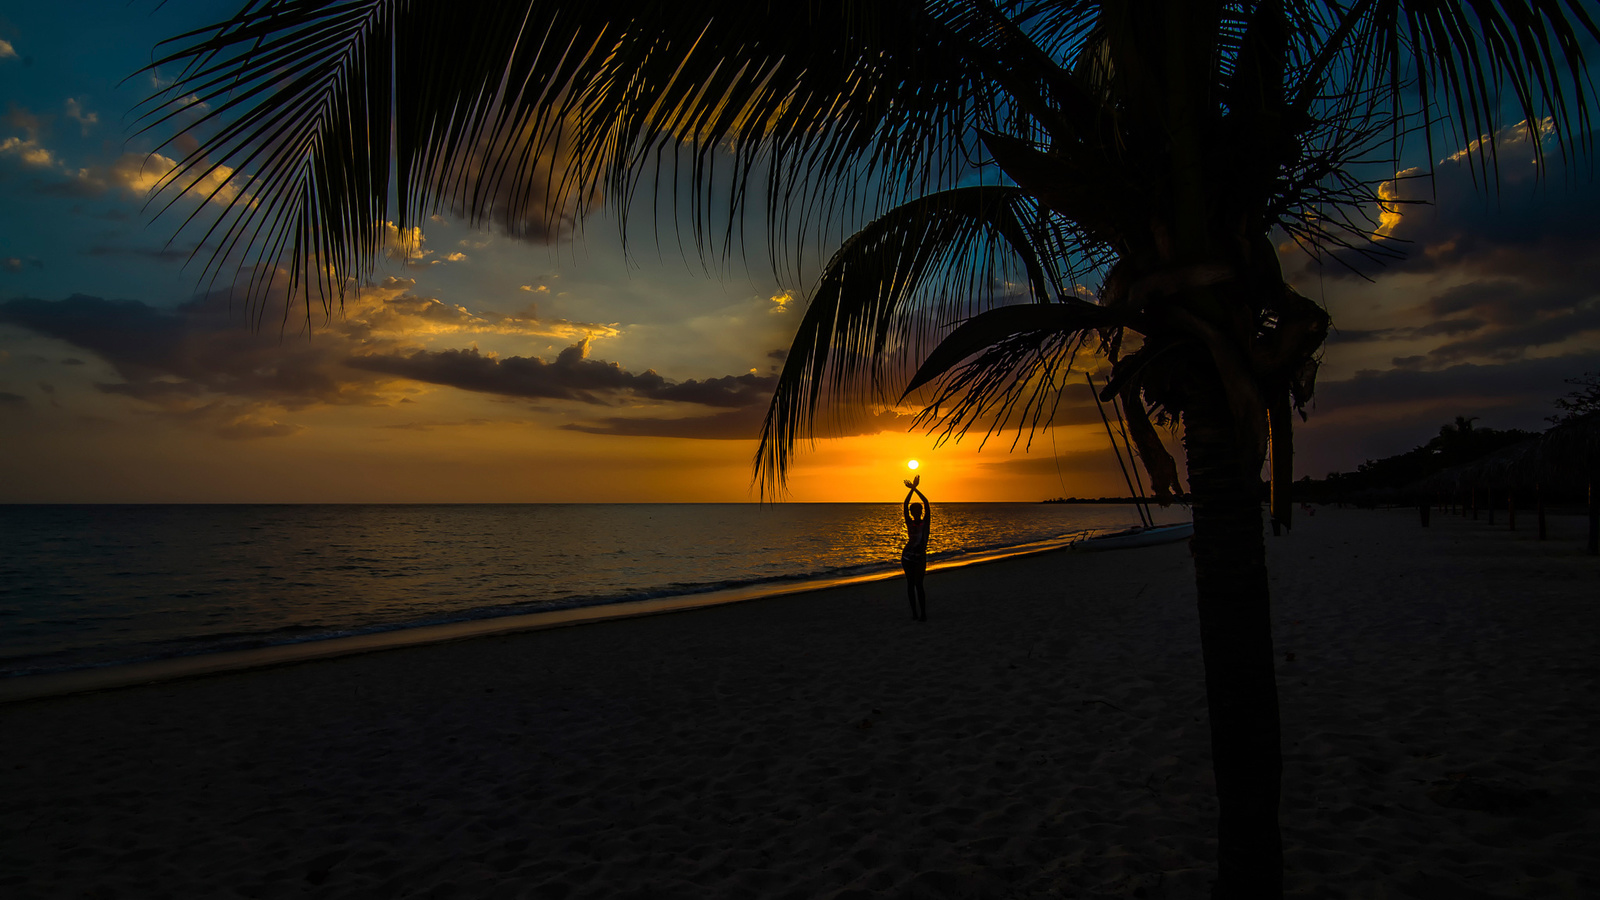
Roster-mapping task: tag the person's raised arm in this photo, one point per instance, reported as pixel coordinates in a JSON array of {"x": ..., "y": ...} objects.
[{"x": 927, "y": 506}]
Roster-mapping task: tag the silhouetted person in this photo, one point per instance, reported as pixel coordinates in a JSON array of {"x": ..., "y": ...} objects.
[{"x": 914, "y": 558}]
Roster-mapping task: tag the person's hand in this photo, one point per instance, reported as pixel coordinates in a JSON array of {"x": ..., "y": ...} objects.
[
  {"x": 916, "y": 480},
  {"x": 907, "y": 483}
]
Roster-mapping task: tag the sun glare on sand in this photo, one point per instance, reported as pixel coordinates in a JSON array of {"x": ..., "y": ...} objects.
[{"x": 912, "y": 464}]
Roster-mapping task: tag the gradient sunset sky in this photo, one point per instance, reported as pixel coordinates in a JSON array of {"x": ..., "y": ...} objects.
[{"x": 485, "y": 366}]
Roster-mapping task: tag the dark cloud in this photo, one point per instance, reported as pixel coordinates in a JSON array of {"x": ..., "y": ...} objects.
[
  {"x": 1500, "y": 326},
  {"x": 23, "y": 119},
  {"x": 1510, "y": 341},
  {"x": 1406, "y": 333},
  {"x": 243, "y": 428},
  {"x": 1072, "y": 462},
  {"x": 838, "y": 420},
  {"x": 1503, "y": 318},
  {"x": 731, "y": 425},
  {"x": 1358, "y": 335},
  {"x": 197, "y": 348},
  {"x": 1446, "y": 326},
  {"x": 516, "y": 199},
  {"x": 183, "y": 360},
  {"x": 734, "y": 425},
  {"x": 1533, "y": 382},
  {"x": 1518, "y": 257},
  {"x": 572, "y": 375},
  {"x": 161, "y": 254},
  {"x": 207, "y": 346},
  {"x": 1499, "y": 301},
  {"x": 132, "y": 336},
  {"x": 161, "y": 393},
  {"x": 1497, "y": 229},
  {"x": 729, "y": 391},
  {"x": 9, "y": 399},
  {"x": 433, "y": 426}
]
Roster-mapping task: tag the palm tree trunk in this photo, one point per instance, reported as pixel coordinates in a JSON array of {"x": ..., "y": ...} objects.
[{"x": 1236, "y": 640}]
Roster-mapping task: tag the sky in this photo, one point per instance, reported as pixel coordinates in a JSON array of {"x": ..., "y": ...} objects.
[{"x": 486, "y": 366}]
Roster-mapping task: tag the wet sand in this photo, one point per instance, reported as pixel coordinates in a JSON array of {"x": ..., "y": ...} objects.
[{"x": 1043, "y": 735}]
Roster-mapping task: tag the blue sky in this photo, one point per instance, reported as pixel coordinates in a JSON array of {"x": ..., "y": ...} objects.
[{"x": 479, "y": 366}]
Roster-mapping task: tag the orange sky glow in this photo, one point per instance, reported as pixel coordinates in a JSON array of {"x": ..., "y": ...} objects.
[{"x": 488, "y": 365}]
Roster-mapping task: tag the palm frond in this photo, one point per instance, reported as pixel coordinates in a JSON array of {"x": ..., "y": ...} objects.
[
  {"x": 816, "y": 112},
  {"x": 989, "y": 328},
  {"x": 872, "y": 311},
  {"x": 1463, "y": 56},
  {"x": 1081, "y": 183},
  {"x": 319, "y": 91},
  {"x": 1016, "y": 353},
  {"x": 1013, "y": 383}
]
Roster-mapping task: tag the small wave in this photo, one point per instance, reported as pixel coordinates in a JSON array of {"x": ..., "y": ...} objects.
[
  {"x": 226, "y": 641},
  {"x": 503, "y": 579}
]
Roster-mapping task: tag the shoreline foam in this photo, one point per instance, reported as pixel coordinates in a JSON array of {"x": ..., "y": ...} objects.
[
  {"x": 1042, "y": 736},
  {"x": 95, "y": 587},
  {"x": 19, "y": 688}
]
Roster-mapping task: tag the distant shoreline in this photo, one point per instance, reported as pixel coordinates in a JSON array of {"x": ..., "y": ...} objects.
[
  {"x": 1042, "y": 734},
  {"x": 19, "y": 688},
  {"x": 1115, "y": 501}
]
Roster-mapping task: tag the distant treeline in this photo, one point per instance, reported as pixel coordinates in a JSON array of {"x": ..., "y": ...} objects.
[
  {"x": 1178, "y": 498},
  {"x": 1459, "y": 442}
]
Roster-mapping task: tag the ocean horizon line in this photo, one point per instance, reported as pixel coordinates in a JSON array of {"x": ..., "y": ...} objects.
[
  {"x": 96, "y": 585},
  {"x": 23, "y": 503},
  {"x": 128, "y": 673}
]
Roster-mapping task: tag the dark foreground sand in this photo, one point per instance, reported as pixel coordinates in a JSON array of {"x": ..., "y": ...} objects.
[{"x": 1042, "y": 736}]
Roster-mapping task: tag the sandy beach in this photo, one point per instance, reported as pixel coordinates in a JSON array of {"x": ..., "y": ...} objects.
[{"x": 1042, "y": 736}]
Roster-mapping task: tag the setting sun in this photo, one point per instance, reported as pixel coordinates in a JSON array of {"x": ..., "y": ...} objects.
[{"x": 912, "y": 464}]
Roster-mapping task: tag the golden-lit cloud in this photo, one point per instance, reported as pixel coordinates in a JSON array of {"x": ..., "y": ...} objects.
[
  {"x": 76, "y": 112},
  {"x": 232, "y": 419},
  {"x": 138, "y": 175},
  {"x": 1513, "y": 151},
  {"x": 571, "y": 375},
  {"x": 29, "y": 152},
  {"x": 135, "y": 175},
  {"x": 391, "y": 309},
  {"x": 408, "y": 246},
  {"x": 1515, "y": 144},
  {"x": 404, "y": 245},
  {"x": 1488, "y": 272},
  {"x": 201, "y": 364},
  {"x": 1389, "y": 205},
  {"x": 27, "y": 148}
]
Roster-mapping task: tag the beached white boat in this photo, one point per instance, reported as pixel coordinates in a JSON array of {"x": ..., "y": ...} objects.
[{"x": 1137, "y": 537}]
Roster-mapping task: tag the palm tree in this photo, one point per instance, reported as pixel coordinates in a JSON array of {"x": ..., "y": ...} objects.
[{"x": 1053, "y": 175}]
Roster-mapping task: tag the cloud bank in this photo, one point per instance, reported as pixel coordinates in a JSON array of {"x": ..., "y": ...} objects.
[{"x": 201, "y": 362}]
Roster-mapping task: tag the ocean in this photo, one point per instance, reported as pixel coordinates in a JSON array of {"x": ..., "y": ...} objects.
[{"x": 84, "y": 586}]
